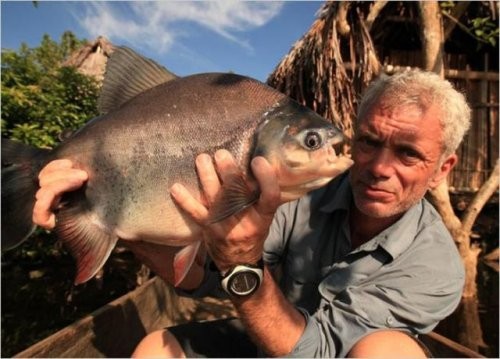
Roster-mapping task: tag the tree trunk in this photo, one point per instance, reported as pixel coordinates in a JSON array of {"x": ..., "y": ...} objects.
[
  {"x": 432, "y": 36},
  {"x": 471, "y": 334}
]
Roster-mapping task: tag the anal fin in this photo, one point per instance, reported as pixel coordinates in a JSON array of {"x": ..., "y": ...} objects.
[
  {"x": 184, "y": 260},
  {"x": 88, "y": 243}
]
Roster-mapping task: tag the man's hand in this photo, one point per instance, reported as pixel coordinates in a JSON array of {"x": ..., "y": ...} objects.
[
  {"x": 56, "y": 178},
  {"x": 239, "y": 238}
]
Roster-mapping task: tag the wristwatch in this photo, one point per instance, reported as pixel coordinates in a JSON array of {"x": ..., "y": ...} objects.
[{"x": 243, "y": 279}]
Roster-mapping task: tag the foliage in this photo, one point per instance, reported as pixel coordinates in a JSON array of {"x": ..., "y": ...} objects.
[
  {"x": 479, "y": 24},
  {"x": 485, "y": 29},
  {"x": 41, "y": 98}
]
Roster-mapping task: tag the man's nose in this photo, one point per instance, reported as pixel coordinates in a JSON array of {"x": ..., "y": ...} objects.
[{"x": 381, "y": 165}]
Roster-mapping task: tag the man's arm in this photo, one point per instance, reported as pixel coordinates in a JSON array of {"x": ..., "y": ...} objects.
[
  {"x": 240, "y": 239},
  {"x": 274, "y": 324}
]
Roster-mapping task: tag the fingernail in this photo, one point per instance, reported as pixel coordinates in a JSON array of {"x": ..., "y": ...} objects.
[
  {"x": 258, "y": 161},
  {"x": 221, "y": 155},
  {"x": 203, "y": 159},
  {"x": 175, "y": 188}
]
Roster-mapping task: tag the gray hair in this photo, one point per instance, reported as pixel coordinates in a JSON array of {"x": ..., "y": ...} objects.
[{"x": 423, "y": 89}]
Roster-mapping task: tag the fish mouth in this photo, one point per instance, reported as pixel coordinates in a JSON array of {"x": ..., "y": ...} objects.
[
  {"x": 336, "y": 140},
  {"x": 336, "y": 143}
]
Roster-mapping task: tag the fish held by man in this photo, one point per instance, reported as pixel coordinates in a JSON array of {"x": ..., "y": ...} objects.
[{"x": 151, "y": 128}]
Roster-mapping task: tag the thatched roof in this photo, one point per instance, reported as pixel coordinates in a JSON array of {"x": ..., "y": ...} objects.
[
  {"x": 91, "y": 59},
  {"x": 315, "y": 71}
]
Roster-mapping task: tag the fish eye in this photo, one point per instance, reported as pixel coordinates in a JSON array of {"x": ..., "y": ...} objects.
[{"x": 312, "y": 140}]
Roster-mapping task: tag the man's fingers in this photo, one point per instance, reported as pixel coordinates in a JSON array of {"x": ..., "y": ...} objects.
[
  {"x": 55, "y": 165},
  {"x": 188, "y": 203},
  {"x": 70, "y": 175},
  {"x": 269, "y": 187},
  {"x": 42, "y": 211},
  {"x": 209, "y": 179},
  {"x": 48, "y": 196},
  {"x": 226, "y": 165}
]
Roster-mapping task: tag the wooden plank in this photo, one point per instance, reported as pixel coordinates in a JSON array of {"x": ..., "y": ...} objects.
[
  {"x": 471, "y": 75},
  {"x": 453, "y": 73},
  {"x": 442, "y": 347},
  {"x": 115, "y": 329}
]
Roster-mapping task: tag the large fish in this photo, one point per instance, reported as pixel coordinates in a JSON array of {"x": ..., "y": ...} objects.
[{"x": 151, "y": 129}]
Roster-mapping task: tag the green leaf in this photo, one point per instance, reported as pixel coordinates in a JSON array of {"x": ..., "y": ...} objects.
[{"x": 39, "y": 97}]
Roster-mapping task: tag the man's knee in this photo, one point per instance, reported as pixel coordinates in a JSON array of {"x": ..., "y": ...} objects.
[
  {"x": 387, "y": 344},
  {"x": 159, "y": 344}
]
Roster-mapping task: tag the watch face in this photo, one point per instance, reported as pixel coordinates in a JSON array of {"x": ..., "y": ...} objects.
[{"x": 244, "y": 283}]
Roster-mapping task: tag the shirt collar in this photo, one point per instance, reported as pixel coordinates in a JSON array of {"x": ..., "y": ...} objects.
[
  {"x": 338, "y": 195},
  {"x": 399, "y": 236},
  {"x": 394, "y": 239}
]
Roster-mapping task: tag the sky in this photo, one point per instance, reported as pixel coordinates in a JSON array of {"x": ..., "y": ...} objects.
[{"x": 187, "y": 37}]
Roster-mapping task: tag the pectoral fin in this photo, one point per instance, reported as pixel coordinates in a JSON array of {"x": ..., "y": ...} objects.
[{"x": 235, "y": 195}]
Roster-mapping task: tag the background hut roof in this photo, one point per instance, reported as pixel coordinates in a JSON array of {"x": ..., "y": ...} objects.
[
  {"x": 318, "y": 72},
  {"x": 91, "y": 58}
]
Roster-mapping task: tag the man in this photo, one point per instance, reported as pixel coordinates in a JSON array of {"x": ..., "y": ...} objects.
[{"x": 363, "y": 260}]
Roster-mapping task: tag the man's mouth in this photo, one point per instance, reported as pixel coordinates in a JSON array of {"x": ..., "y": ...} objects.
[{"x": 376, "y": 192}]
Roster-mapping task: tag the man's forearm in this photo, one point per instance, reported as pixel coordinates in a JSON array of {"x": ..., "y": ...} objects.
[{"x": 272, "y": 322}]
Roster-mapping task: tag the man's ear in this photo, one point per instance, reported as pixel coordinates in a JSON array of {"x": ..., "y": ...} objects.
[{"x": 443, "y": 170}]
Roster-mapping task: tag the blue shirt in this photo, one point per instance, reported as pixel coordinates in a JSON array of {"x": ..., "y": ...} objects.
[{"x": 408, "y": 277}]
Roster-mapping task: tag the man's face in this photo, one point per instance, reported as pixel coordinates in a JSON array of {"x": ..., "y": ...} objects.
[{"x": 396, "y": 157}]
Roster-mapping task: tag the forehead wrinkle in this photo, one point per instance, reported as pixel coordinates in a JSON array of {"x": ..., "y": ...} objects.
[{"x": 387, "y": 128}]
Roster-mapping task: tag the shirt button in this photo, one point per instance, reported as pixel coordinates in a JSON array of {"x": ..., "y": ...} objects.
[{"x": 389, "y": 321}]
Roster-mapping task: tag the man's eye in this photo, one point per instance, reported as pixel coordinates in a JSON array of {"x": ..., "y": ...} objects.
[
  {"x": 410, "y": 153},
  {"x": 366, "y": 141},
  {"x": 410, "y": 156}
]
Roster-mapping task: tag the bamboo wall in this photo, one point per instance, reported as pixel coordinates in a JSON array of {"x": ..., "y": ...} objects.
[{"x": 479, "y": 150}]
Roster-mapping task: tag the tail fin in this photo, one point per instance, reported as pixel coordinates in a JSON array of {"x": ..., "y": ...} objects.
[{"x": 20, "y": 166}]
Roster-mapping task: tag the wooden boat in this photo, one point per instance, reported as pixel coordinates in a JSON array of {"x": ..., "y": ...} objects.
[{"x": 114, "y": 330}]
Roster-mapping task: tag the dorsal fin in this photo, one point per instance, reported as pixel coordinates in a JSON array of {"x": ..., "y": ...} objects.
[{"x": 127, "y": 75}]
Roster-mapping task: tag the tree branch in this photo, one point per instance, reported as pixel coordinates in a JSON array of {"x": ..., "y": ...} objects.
[
  {"x": 440, "y": 199},
  {"x": 464, "y": 28},
  {"x": 453, "y": 18},
  {"x": 374, "y": 11},
  {"x": 485, "y": 192}
]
